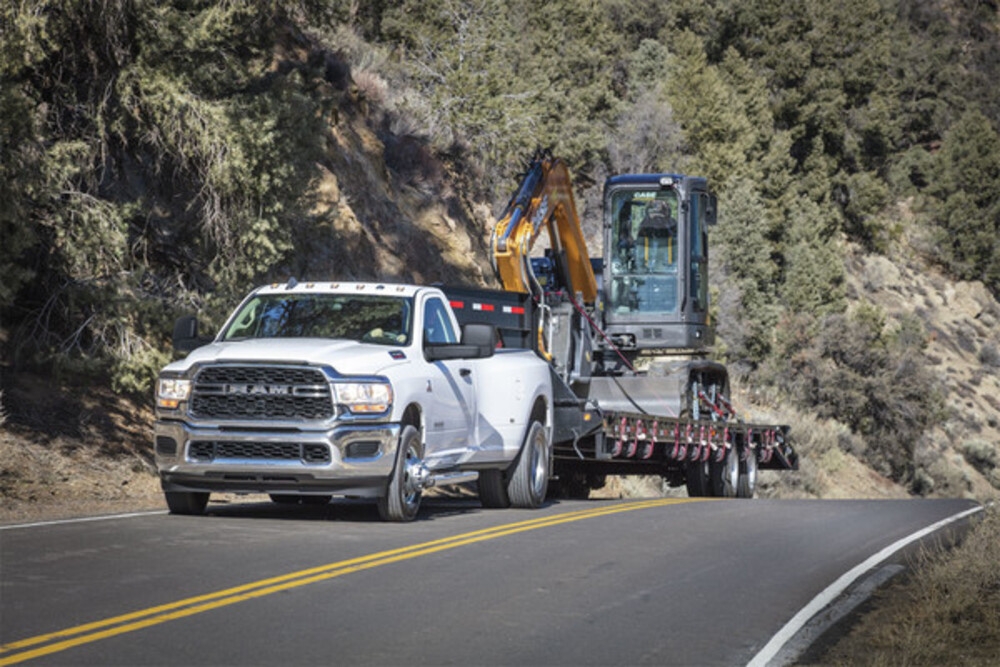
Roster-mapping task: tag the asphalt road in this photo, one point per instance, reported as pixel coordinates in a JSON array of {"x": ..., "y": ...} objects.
[{"x": 663, "y": 582}]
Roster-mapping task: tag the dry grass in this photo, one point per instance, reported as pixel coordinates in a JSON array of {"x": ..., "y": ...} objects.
[{"x": 947, "y": 612}]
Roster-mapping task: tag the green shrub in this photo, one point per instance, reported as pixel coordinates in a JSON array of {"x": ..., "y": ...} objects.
[{"x": 854, "y": 370}]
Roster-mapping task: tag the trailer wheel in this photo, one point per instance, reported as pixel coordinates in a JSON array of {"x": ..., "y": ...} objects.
[
  {"x": 698, "y": 480},
  {"x": 402, "y": 498},
  {"x": 748, "y": 475},
  {"x": 530, "y": 479},
  {"x": 726, "y": 474},
  {"x": 186, "y": 502},
  {"x": 493, "y": 489}
]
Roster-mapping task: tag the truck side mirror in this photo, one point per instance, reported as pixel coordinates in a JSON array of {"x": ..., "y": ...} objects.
[
  {"x": 483, "y": 336},
  {"x": 186, "y": 336},
  {"x": 478, "y": 342}
]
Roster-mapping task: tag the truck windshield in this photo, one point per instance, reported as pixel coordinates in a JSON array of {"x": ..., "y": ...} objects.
[
  {"x": 644, "y": 251},
  {"x": 365, "y": 318}
]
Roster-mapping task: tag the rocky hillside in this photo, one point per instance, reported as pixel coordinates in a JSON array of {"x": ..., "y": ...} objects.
[
  {"x": 391, "y": 209},
  {"x": 962, "y": 320}
]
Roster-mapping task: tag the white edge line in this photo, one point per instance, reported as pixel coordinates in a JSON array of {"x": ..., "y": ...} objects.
[
  {"x": 834, "y": 590},
  {"x": 85, "y": 519}
]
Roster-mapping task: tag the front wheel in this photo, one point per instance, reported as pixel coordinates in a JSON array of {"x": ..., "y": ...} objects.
[
  {"x": 530, "y": 479},
  {"x": 402, "y": 499},
  {"x": 186, "y": 502}
]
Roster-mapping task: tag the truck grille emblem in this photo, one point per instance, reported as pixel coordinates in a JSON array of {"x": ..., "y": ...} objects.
[{"x": 259, "y": 389}]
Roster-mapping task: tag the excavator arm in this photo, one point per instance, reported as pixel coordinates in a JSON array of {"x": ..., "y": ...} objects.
[{"x": 544, "y": 199}]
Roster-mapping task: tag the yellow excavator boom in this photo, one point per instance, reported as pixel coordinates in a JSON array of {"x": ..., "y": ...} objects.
[{"x": 544, "y": 199}]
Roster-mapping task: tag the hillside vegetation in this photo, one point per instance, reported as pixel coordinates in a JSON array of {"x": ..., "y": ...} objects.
[{"x": 158, "y": 158}]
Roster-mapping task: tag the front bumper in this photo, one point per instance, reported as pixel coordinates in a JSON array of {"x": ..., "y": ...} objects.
[{"x": 348, "y": 459}]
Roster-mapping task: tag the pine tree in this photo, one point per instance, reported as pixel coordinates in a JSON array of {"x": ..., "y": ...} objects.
[
  {"x": 814, "y": 266},
  {"x": 968, "y": 192},
  {"x": 149, "y": 147},
  {"x": 711, "y": 113},
  {"x": 745, "y": 274}
]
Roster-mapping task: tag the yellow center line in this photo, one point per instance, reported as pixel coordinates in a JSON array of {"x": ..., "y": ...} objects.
[{"x": 117, "y": 625}]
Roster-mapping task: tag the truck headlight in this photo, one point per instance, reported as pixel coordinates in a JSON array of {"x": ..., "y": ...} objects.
[
  {"x": 170, "y": 392},
  {"x": 364, "y": 397}
]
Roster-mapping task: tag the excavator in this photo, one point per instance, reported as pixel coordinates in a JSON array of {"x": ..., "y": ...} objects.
[{"x": 627, "y": 333}]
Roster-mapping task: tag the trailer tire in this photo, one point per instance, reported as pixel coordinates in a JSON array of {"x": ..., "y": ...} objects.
[
  {"x": 402, "y": 498},
  {"x": 530, "y": 479},
  {"x": 748, "y": 475},
  {"x": 493, "y": 489},
  {"x": 726, "y": 475},
  {"x": 186, "y": 502},
  {"x": 698, "y": 480}
]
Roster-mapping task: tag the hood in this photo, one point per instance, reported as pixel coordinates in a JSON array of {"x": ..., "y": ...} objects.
[{"x": 345, "y": 356}]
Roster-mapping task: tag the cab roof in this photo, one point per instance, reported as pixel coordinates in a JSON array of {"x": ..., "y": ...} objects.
[{"x": 340, "y": 287}]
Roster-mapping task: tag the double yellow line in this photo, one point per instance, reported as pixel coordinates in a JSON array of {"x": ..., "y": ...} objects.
[{"x": 54, "y": 642}]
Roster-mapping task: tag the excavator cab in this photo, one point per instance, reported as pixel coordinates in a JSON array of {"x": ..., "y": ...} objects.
[
  {"x": 652, "y": 296},
  {"x": 655, "y": 280}
]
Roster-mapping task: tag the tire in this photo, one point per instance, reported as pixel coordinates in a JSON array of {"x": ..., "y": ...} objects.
[
  {"x": 493, "y": 489},
  {"x": 530, "y": 479},
  {"x": 748, "y": 476},
  {"x": 402, "y": 499},
  {"x": 697, "y": 480},
  {"x": 726, "y": 475},
  {"x": 186, "y": 502}
]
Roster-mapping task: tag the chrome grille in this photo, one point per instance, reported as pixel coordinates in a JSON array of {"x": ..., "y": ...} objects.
[
  {"x": 261, "y": 393},
  {"x": 210, "y": 450}
]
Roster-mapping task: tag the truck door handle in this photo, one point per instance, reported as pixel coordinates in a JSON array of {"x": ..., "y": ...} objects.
[{"x": 465, "y": 372}]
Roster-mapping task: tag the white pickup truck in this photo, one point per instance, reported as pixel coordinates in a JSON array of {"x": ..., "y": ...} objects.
[{"x": 318, "y": 389}]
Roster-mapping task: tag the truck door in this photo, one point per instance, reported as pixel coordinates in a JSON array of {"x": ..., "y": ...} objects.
[{"x": 450, "y": 400}]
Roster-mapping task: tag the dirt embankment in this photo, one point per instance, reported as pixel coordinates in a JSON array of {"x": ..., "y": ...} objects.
[{"x": 72, "y": 451}]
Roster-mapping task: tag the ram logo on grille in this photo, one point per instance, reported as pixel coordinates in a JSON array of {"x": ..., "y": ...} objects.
[{"x": 258, "y": 389}]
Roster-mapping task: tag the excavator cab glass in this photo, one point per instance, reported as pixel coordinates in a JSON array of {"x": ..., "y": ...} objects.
[{"x": 644, "y": 258}]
